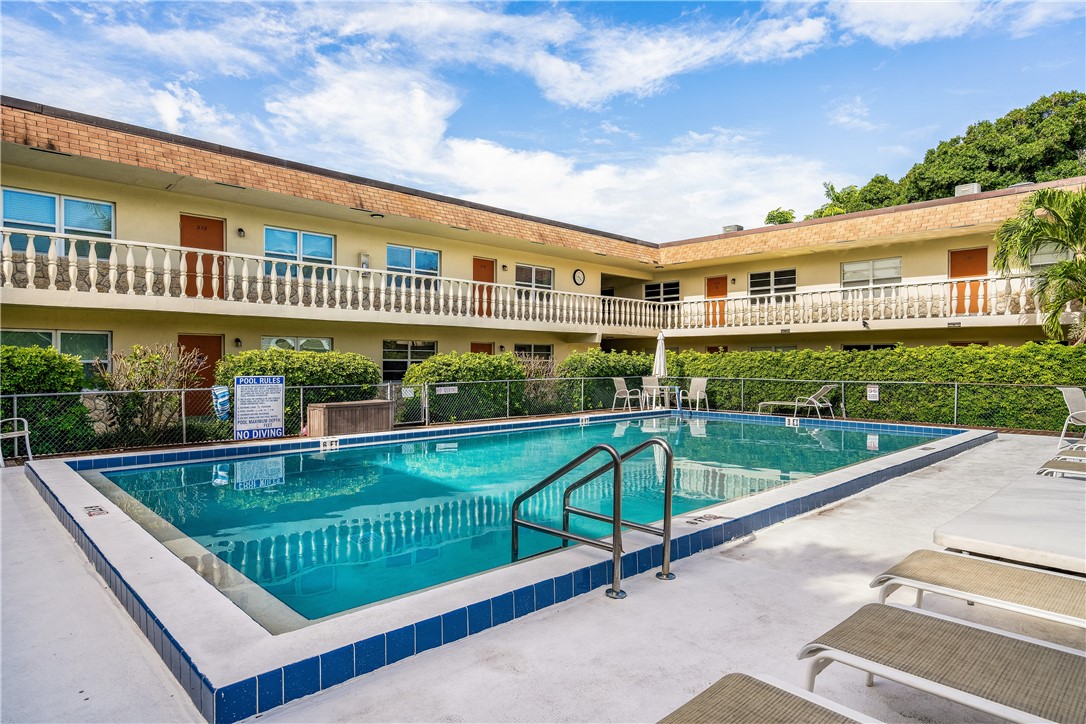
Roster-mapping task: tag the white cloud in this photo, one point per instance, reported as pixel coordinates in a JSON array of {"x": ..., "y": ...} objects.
[
  {"x": 897, "y": 150},
  {"x": 608, "y": 127},
  {"x": 182, "y": 110},
  {"x": 851, "y": 113},
  {"x": 902, "y": 23},
  {"x": 1029, "y": 17},
  {"x": 186, "y": 49}
]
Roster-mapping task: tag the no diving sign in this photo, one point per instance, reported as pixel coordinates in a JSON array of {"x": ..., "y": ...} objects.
[{"x": 258, "y": 407}]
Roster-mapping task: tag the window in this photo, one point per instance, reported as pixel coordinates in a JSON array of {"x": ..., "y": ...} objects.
[
  {"x": 294, "y": 245},
  {"x": 865, "y": 347},
  {"x": 87, "y": 346},
  {"x": 36, "y": 211},
  {"x": 774, "y": 348},
  {"x": 397, "y": 356},
  {"x": 875, "y": 272},
  {"x": 1046, "y": 256},
  {"x": 542, "y": 351},
  {"x": 300, "y": 344},
  {"x": 662, "y": 291},
  {"x": 534, "y": 277},
  {"x": 408, "y": 260},
  {"x": 782, "y": 281}
]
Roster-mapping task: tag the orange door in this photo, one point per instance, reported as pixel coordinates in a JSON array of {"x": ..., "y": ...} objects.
[
  {"x": 482, "y": 270},
  {"x": 965, "y": 263},
  {"x": 199, "y": 232},
  {"x": 210, "y": 348},
  {"x": 482, "y": 347},
  {"x": 715, "y": 288}
]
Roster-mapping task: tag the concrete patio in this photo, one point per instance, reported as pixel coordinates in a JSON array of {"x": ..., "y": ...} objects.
[{"x": 71, "y": 654}]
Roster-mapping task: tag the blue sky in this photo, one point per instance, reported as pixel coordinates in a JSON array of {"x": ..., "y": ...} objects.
[{"x": 660, "y": 121}]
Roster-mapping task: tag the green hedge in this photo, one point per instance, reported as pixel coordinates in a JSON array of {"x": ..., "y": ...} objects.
[
  {"x": 938, "y": 367},
  {"x": 479, "y": 401},
  {"x": 57, "y": 425},
  {"x": 306, "y": 369},
  {"x": 597, "y": 366}
]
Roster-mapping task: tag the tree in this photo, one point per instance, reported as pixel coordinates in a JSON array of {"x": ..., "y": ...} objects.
[
  {"x": 780, "y": 216},
  {"x": 1050, "y": 220}
]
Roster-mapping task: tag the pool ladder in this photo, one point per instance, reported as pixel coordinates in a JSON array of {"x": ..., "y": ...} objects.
[{"x": 615, "y": 519}]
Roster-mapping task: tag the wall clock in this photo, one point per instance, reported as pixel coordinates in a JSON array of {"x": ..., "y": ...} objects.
[{"x": 578, "y": 277}]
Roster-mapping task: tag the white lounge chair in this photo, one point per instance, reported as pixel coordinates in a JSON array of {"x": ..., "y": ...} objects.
[
  {"x": 745, "y": 699},
  {"x": 624, "y": 393},
  {"x": 1076, "y": 411},
  {"x": 13, "y": 428},
  {"x": 817, "y": 402},
  {"x": 1002, "y": 674},
  {"x": 696, "y": 393}
]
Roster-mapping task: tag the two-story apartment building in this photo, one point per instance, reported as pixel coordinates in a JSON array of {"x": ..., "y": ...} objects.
[{"x": 115, "y": 235}]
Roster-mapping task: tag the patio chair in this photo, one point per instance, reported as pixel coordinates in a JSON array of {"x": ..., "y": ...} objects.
[
  {"x": 1002, "y": 674},
  {"x": 1076, "y": 411},
  {"x": 745, "y": 699},
  {"x": 818, "y": 401},
  {"x": 651, "y": 391},
  {"x": 696, "y": 393},
  {"x": 1032, "y": 591},
  {"x": 1064, "y": 467},
  {"x": 623, "y": 393},
  {"x": 13, "y": 428}
]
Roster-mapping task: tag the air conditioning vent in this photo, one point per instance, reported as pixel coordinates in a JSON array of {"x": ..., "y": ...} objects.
[
  {"x": 732, "y": 227},
  {"x": 967, "y": 189}
]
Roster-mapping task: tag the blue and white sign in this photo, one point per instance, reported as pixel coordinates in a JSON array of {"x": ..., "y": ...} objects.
[{"x": 258, "y": 407}]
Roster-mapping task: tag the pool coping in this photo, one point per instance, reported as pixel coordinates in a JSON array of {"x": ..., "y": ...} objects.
[{"x": 198, "y": 632}]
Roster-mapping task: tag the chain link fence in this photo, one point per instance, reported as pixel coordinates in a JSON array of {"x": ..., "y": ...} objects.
[{"x": 93, "y": 420}]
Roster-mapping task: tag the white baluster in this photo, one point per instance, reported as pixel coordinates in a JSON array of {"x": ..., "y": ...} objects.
[
  {"x": 6, "y": 255},
  {"x": 273, "y": 282},
  {"x": 231, "y": 277},
  {"x": 217, "y": 281},
  {"x": 130, "y": 269},
  {"x": 148, "y": 272},
  {"x": 51, "y": 262},
  {"x": 167, "y": 274},
  {"x": 112, "y": 277},
  {"x": 183, "y": 273}
]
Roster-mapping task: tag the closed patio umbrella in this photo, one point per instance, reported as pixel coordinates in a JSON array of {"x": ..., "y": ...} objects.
[{"x": 659, "y": 362}]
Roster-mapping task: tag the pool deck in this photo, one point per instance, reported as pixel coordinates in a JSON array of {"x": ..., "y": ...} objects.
[{"x": 69, "y": 652}]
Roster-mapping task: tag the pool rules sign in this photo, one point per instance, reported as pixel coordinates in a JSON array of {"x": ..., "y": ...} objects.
[{"x": 258, "y": 407}]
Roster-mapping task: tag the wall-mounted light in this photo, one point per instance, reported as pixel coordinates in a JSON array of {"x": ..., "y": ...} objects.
[
  {"x": 505, "y": 267},
  {"x": 733, "y": 280},
  {"x": 501, "y": 347},
  {"x": 237, "y": 341},
  {"x": 241, "y": 232}
]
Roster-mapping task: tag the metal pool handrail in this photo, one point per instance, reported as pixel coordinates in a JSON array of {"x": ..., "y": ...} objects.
[{"x": 615, "y": 546}]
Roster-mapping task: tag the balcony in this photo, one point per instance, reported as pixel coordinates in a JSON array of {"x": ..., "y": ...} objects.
[{"x": 116, "y": 274}]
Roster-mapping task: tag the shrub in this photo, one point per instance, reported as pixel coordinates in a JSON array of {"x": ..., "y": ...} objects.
[
  {"x": 57, "y": 424},
  {"x": 478, "y": 401},
  {"x": 597, "y": 391},
  {"x": 305, "y": 369}
]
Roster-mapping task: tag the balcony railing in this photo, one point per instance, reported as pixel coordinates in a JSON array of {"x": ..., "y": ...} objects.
[{"x": 90, "y": 265}]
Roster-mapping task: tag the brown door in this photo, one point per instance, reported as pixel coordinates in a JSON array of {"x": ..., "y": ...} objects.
[
  {"x": 715, "y": 288},
  {"x": 482, "y": 270},
  {"x": 199, "y": 232},
  {"x": 482, "y": 347},
  {"x": 971, "y": 296},
  {"x": 210, "y": 347}
]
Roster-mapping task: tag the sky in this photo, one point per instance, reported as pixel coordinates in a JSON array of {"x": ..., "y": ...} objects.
[{"x": 655, "y": 120}]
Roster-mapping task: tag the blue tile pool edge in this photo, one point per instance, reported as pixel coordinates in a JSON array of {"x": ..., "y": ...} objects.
[{"x": 261, "y": 693}]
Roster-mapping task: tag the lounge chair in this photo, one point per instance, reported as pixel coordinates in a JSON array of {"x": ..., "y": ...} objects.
[
  {"x": 1064, "y": 467},
  {"x": 696, "y": 393},
  {"x": 1044, "y": 594},
  {"x": 818, "y": 401},
  {"x": 1076, "y": 412},
  {"x": 13, "y": 428},
  {"x": 745, "y": 699},
  {"x": 623, "y": 393},
  {"x": 1002, "y": 674}
]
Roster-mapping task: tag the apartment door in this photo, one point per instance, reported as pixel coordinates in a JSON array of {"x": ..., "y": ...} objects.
[
  {"x": 482, "y": 270},
  {"x": 971, "y": 297},
  {"x": 715, "y": 288},
  {"x": 482, "y": 347},
  {"x": 200, "y": 232},
  {"x": 210, "y": 348}
]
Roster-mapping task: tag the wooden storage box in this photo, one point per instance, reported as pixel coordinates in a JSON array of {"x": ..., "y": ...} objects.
[{"x": 349, "y": 418}]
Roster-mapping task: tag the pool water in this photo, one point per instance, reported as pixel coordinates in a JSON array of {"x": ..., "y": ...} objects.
[{"x": 328, "y": 532}]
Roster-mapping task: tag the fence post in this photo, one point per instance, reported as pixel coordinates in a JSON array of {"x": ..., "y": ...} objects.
[
  {"x": 301, "y": 410},
  {"x": 742, "y": 395},
  {"x": 425, "y": 403},
  {"x": 184, "y": 421},
  {"x": 582, "y": 396},
  {"x": 843, "y": 413},
  {"x": 507, "y": 384},
  {"x": 955, "y": 403}
]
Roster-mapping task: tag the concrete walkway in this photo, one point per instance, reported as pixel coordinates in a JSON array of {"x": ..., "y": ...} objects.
[{"x": 69, "y": 652}]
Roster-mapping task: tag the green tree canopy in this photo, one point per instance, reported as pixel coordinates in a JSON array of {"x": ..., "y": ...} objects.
[{"x": 780, "y": 216}]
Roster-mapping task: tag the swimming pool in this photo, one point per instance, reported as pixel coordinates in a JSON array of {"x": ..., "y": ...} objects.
[
  {"x": 234, "y": 668},
  {"x": 328, "y": 532}
]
